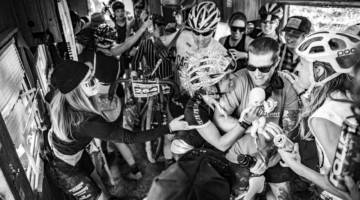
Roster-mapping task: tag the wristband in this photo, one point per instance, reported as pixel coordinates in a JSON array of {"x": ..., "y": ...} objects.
[
  {"x": 244, "y": 125},
  {"x": 301, "y": 93}
]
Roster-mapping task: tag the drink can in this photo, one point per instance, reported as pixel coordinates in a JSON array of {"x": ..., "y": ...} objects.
[
  {"x": 246, "y": 160},
  {"x": 282, "y": 142},
  {"x": 347, "y": 156}
]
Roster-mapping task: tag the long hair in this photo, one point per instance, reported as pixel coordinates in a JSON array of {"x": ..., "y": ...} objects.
[
  {"x": 68, "y": 110},
  {"x": 343, "y": 84}
]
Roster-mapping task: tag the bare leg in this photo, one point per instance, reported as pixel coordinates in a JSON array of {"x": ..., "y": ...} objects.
[
  {"x": 167, "y": 143},
  {"x": 126, "y": 153},
  {"x": 282, "y": 191}
]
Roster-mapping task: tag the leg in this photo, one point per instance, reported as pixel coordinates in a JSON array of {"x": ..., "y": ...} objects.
[
  {"x": 104, "y": 192},
  {"x": 281, "y": 191},
  {"x": 126, "y": 153}
]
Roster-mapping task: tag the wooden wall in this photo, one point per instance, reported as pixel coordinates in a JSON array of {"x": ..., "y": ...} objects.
[{"x": 7, "y": 17}]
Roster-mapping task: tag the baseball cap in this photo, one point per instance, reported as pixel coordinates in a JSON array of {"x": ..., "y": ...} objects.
[
  {"x": 298, "y": 25},
  {"x": 201, "y": 174}
]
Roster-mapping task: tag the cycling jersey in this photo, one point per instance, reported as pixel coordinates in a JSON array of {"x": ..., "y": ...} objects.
[
  {"x": 198, "y": 114},
  {"x": 185, "y": 45}
]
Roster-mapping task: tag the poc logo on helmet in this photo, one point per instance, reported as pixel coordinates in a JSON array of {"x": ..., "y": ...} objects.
[{"x": 346, "y": 52}]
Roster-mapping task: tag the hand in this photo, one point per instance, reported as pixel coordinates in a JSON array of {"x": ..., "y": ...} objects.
[
  {"x": 147, "y": 24},
  {"x": 353, "y": 194},
  {"x": 252, "y": 114},
  {"x": 294, "y": 80},
  {"x": 177, "y": 124},
  {"x": 260, "y": 166},
  {"x": 256, "y": 185},
  {"x": 238, "y": 54},
  {"x": 133, "y": 74},
  {"x": 290, "y": 158},
  {"x": 271, "y": 128}
]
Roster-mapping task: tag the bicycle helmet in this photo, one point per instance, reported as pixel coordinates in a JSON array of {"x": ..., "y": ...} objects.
[
  {"x": 271, "y": 11},
  {"x": 105, "y": 34},
  {"x": 336, "y": 48},
  {"x": 204, "y": 69},
  {"x": 204, "y": 17},
  {"x": 354, "y": 30}
]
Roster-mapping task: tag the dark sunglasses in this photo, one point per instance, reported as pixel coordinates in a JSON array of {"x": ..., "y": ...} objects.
[
  {"x": 203, "y": 34},
  {"x": 90, "y": 82},
  {"x": 267, "y": 21},
  {"x": 262, "y": 69},
  {"x": 235, "y": 28}
]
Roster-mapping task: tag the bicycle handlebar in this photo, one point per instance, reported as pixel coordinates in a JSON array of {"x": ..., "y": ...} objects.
[{"x": 172, "y": 84}]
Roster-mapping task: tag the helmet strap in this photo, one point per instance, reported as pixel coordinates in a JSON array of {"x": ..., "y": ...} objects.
[{"x": 318, "y": 84}]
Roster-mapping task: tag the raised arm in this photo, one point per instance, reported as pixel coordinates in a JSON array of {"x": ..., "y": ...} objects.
[{"x": 129, "y": 42}]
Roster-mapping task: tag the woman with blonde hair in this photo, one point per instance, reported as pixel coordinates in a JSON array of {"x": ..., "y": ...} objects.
[
  {"x": 324, "y": 83},
  {"x": 76, "y": 121}
]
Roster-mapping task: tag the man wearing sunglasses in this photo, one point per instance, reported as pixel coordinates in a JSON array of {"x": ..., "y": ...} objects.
[
  {"x": 296, "y": 29},
  {"x": 261, "y": 72},
  {"x": 202, "y": 20}
]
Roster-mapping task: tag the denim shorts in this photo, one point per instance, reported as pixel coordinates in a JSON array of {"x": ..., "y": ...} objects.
[{"x": 74, "y": 180}]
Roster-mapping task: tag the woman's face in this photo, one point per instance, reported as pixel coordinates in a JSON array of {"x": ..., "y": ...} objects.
[
  {"x": 237, "y": 28},
  {"x": 303, "y": 71},
  {"x": 268, "y": 27},
  {"x": 227, "y": 83},
  {"x": 90, "y": 84}
]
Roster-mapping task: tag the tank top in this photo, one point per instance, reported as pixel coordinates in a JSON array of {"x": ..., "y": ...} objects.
[
  {"x": 336, "y": 112},
  {"x": 241, "y": 63},
  {"x": 121, "y": 32}
]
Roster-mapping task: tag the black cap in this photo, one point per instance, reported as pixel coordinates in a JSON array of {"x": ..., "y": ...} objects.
[
  {"x": 68, "y": 75},
  {"x": 298, "y": 25}
]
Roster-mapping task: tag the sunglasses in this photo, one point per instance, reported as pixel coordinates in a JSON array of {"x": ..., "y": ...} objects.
[
  {"x": 90, "y": 82},
  {"x": 262, "y": 69},
  {"x": 292, "y": 35},
  {"x": 267, "y": 21},
  {"x": 235, "y": 28},
  {"x": 205, "y": 34}
]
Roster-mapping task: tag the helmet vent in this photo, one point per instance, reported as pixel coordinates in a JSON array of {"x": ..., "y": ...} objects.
[{"x": 317, "y": 49}]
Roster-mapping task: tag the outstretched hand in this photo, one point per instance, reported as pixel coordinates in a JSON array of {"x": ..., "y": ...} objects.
[
  {"x": 178, "y": 124},
  {"x": 290, "y": 158}
]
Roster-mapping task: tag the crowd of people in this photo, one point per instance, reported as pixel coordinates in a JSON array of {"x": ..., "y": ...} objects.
[{"x": 238, "y": 96}]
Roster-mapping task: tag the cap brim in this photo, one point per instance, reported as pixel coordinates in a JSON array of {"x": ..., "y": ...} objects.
[
  {"x": 291, "y": 30},
  {"x": 220, "y": 163}
]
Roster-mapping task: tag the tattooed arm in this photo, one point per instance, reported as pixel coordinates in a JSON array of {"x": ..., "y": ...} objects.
[{"x": 289, "y": 120}]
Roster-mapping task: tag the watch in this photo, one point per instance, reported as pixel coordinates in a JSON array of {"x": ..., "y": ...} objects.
[{"x": 245, "y": 125}]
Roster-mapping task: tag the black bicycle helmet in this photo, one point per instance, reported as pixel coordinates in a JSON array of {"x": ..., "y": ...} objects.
[
  {"x": 105, "y": 34},
  {"x": 271, "y": 11}
]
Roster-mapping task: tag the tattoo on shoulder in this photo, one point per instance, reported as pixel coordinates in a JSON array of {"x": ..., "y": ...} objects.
[
  {"x": 283, "y": 194},
  {"x": 289, "y": 121}
]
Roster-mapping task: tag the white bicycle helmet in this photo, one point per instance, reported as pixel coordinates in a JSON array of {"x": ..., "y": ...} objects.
[
  {"x": 333, "y": 47},
  {"x": 204, "y": 69},
  {"x": 204, "y": 17},
  {"x": 354, "y": 30},
  {"x": 271, "y": 11}
]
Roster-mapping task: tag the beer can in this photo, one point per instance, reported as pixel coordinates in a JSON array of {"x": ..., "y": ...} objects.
[
  {"x": 347, "y": 156},
  {"x": 246, "y": 160},
  {"x": 282, "y": 142}
]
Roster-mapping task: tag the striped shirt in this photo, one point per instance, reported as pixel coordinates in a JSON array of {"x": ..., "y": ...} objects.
[{"x": 148, "y": 50}]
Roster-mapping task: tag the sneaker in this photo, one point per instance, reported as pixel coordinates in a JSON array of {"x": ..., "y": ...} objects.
[{"x": 136, "y": 176}]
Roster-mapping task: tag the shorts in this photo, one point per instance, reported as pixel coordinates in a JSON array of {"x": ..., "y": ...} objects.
[
  {"x": 74, "y": 180},
  {"x": 186, "y": 140}
]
